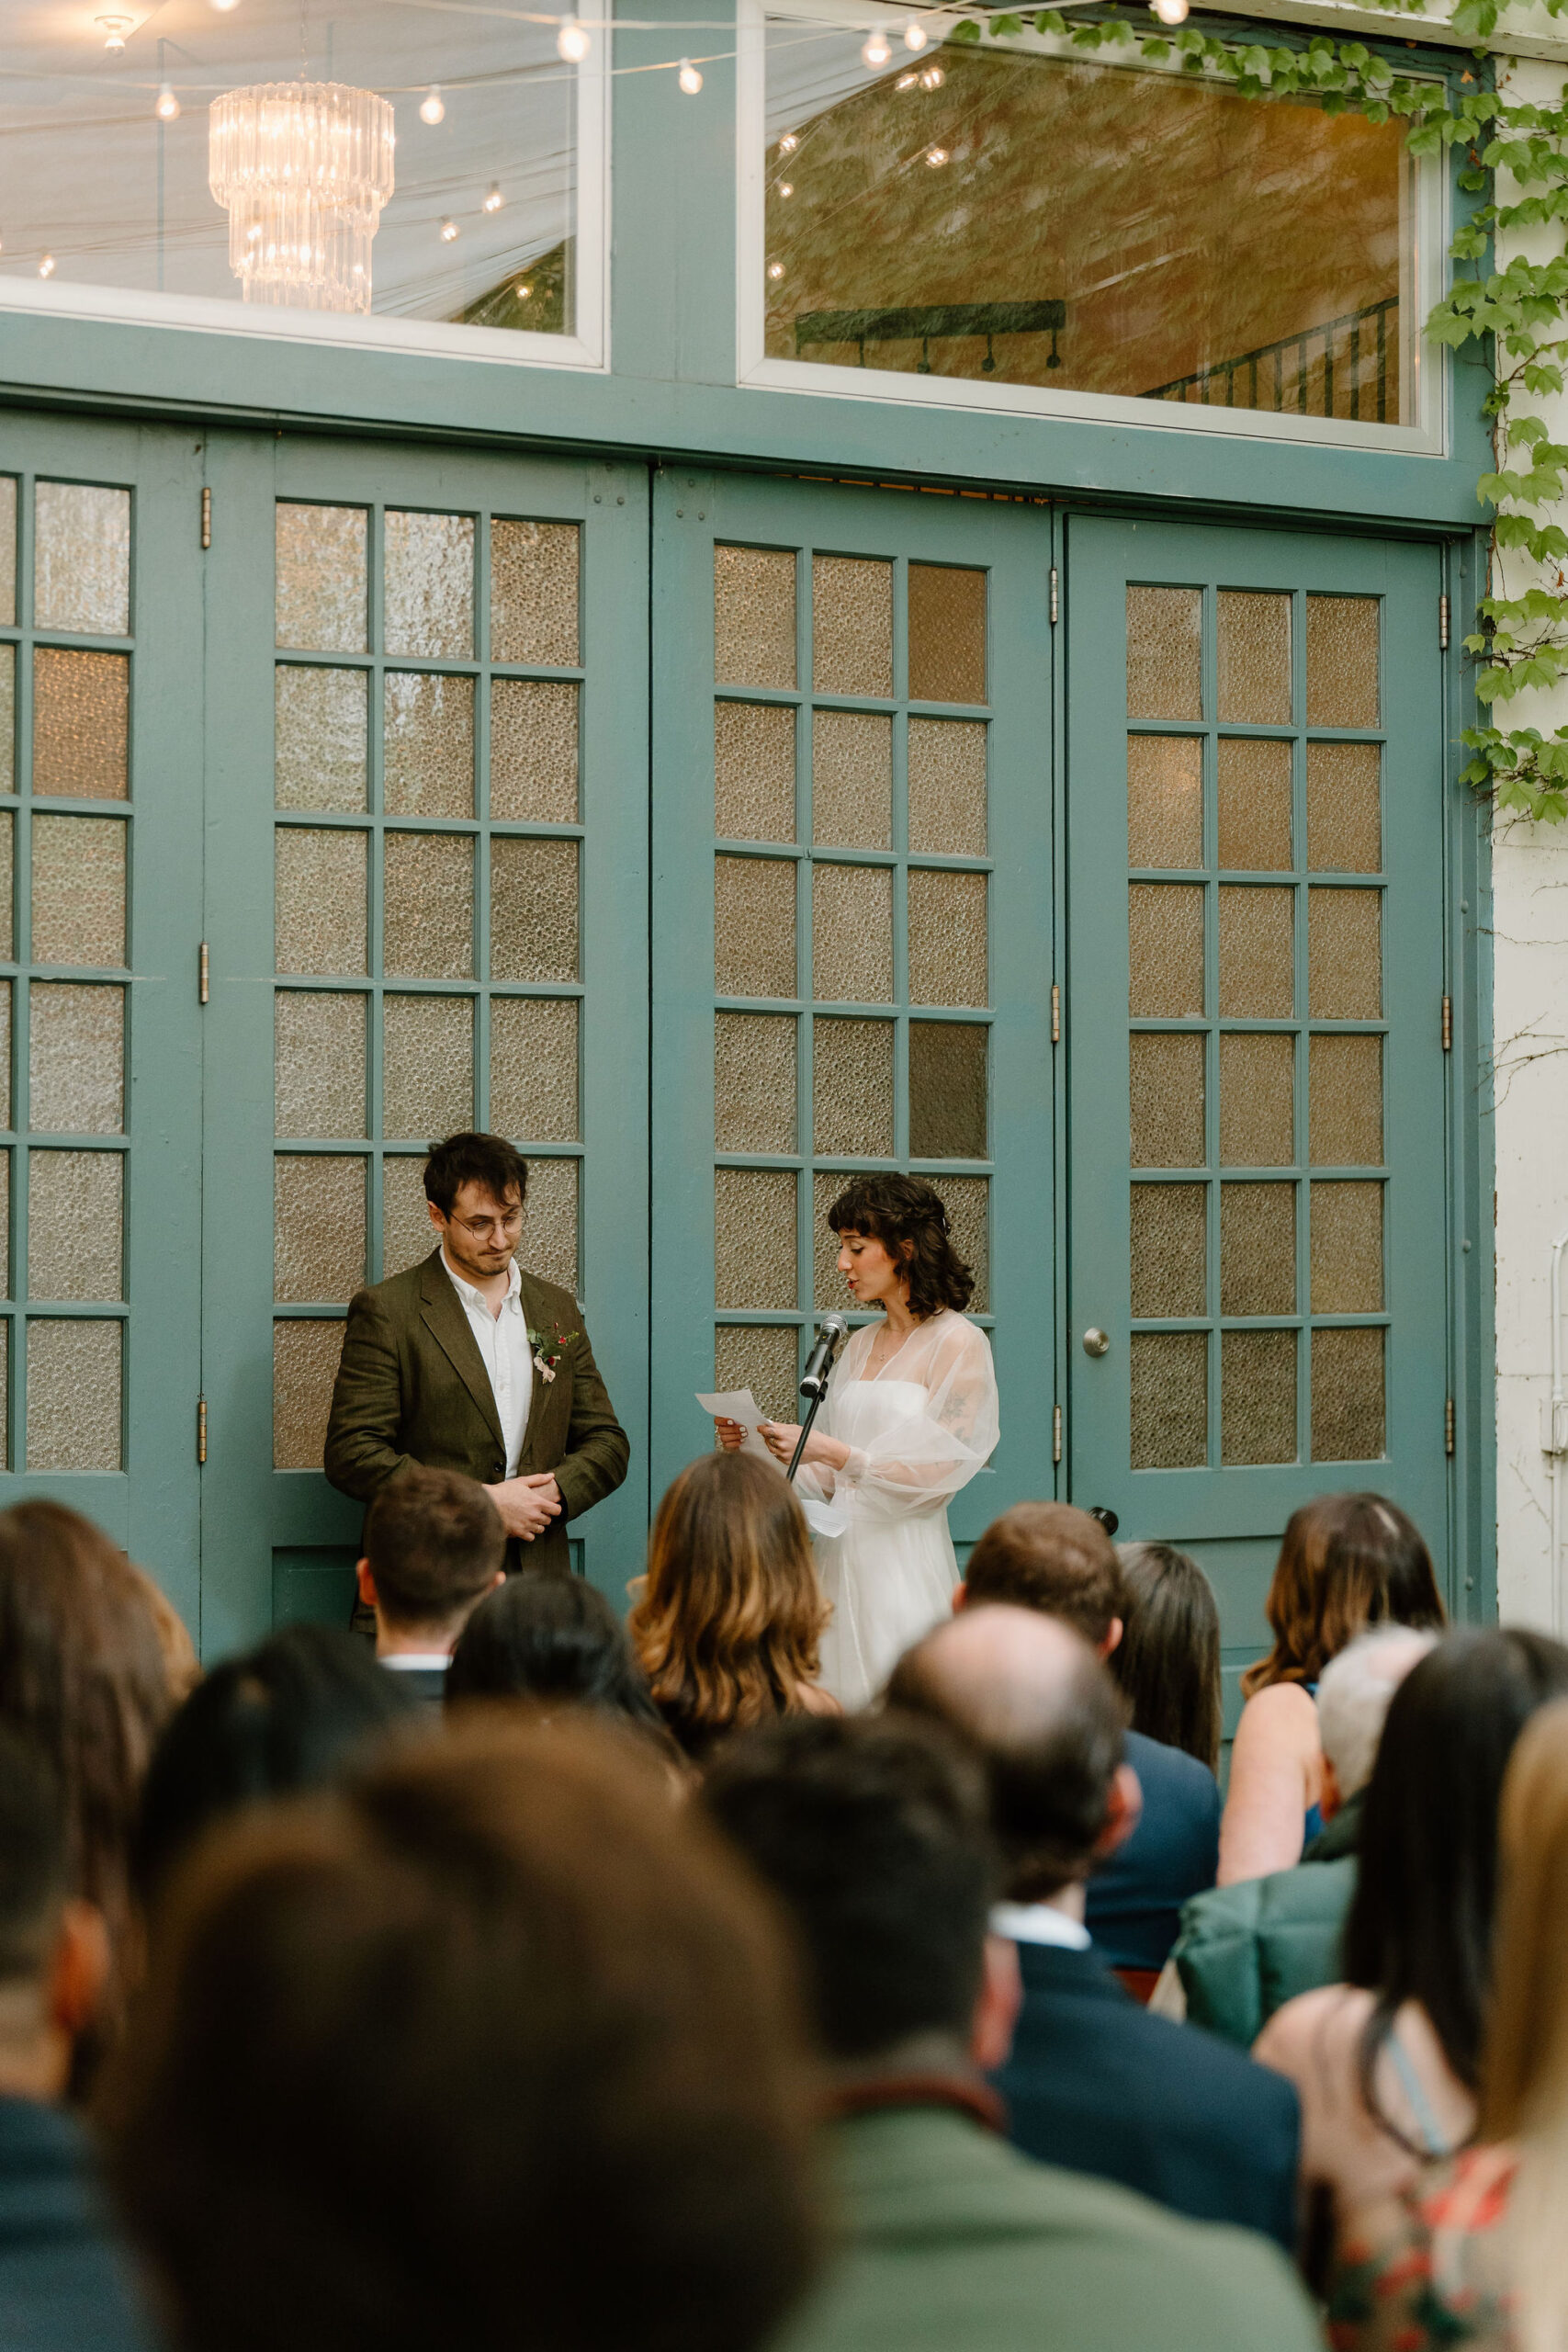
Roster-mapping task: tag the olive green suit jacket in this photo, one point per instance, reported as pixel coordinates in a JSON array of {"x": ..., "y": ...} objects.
[{"x": 412, "y": 1386}]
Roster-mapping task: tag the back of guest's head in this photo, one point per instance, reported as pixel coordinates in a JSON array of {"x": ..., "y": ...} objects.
[
  {"x": 407, "y": 2044},
  {"x": 729, "y": 1621},
  {"x": 1354, "y": 1696},
  {"x": 1420, "y": 1923},
  {"x": 1347, "y": 1562},
  {"x": 1053, "y": 1558},
  {"x": 33, "y": 1858},
  {"x": 182, "y": 1667},
  {"x": 1167, "y": 1660},
  {"x": 872, "y": 1830},
  {"x": 290, "y": 1715},
  {"x": 1030, "y": 1696},
  {"x": 550, "y": 1637},
  {"x": 434, "y": 1542}
]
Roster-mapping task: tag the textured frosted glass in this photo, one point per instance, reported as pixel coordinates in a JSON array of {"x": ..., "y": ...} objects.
[
  {"x": 5, "y": 1228},
  {"x": 320, "y": 1063},
  {"x": 828, "y": 1284},
  {"x": 7, "y": 719},
  {"x": 1165, "y": 800},
  {"x": 407, "y": 1235},
  {"x": 429, "y": 757},
  {"x": 322, "y": 578},
  {"x": 1346, "y": 1248},
  {"x": 73, "y": 1384},
  {"x": 1257, "y": 1396},
  {"x": 1169, "y": 1252},
  {"x": 304, "y": 1366},
  {"x": 762, "y": 1357},
  {"x": 534, "y": 592},
  {"x": 754, "y": 616},
  {"x": 1344, "y": 955},
  {"x": 753, "y": 926},
  {"x": 1258, "y": 1094},
  {"x": 428, "y": 908},
  {"x": 947, "y": 937},
  {"x": 78, "y": 890},
  {"x": 851, "y": 626},
  {"x": 947, "y": 634},
  {"x": 753, "y": 1082},
  {"x": 4, "y": 1396},
  {"x": 81, "y": 724},
  {"x": 852, "y": 934},
  {"x": 318, "y": 1228},
  {"x": 1258, "y": 1249},
  {"x": 429, "y": 585},
  {"x": 319, "y": 915},
  {"x": 947, "y": 786},
  {"x": 967, "y": 1200},
  {"x": 852, "y": 779},
  {"x": 1254, "y": 648},
  {"x": 533, "y": 751},
  {"x": 1165, "y": 950},
  {"x": 323, "y": 731},
  {"x": 1342, "y": 661},
  {"x": 428, "y": 1071},
  {"x": 1165, "y": 644},
  {"x": 533, "y": 1068},
  {"x": 1170, "y": 1399},
  {"x": 1256, "y": 953},
  {"x": 8, "y": 550},
  {"x": 550, "y": 1222},
  {"x": 1345, "y": 1101},
  {"x": 7, "y": 884},
  {"x": 851, "y": 1088},
  {"x": 1348, "y": 1423},
  {"x": 81, "y": 558},
  {"x": 76, "y": 1060},
  {"x": 1344, "y": 807},
  {"x": 75, "y": 1225},
  {"x": 947, "y": 1090},
  {"x": 1167, "y": 1089},
  {"x": 4, "y": 1053},
  {"x": 1254, "y": 805},
  {"x": 754, "y": 1230},
  {"x": 533, "y": 908},
  {"x": 753, "y": 769}
]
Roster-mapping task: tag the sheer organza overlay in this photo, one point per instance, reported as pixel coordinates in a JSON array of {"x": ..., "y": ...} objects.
[{"x": 923, "y": 1459}]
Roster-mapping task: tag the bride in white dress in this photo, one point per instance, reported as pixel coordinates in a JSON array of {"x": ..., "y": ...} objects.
[{"x": 910, "y": 1417}]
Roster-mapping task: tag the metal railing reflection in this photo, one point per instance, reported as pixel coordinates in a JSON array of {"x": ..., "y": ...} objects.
[{"x": 1297, "y": 375}]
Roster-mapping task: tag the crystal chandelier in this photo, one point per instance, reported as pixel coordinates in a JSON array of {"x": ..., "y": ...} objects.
[{"x": 302, "y": 169}]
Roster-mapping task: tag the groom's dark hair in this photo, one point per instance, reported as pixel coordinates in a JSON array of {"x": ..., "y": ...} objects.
[{"x": 489, "y": 1161}]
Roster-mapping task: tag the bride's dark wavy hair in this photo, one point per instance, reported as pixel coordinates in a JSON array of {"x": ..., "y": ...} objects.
[{"x": 908, "y": 1217}]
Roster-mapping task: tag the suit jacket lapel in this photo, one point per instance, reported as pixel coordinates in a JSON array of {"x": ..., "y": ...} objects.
[
  {"x": 533, "y": 1315},
  {"x": 440, "y": 1311}
]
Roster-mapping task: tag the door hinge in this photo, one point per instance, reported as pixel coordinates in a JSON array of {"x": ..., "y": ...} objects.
[
  {"x": 1442, "y": 623},
  {"x": 201, "y": 1429},
  {"x": 1448, "y": 1426},
  {"x": 206, "y": 517},
  {"x": 1054, "y": 598},
  {"x": 1055, "y": 1014},
  {"x": 1447, "y": 1024},
  {"x": 203, "y": 976},
  {"x": 1056, "y": 1432}
]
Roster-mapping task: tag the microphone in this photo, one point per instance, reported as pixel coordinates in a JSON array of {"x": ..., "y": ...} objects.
[{"x": 831, "y": 1332}]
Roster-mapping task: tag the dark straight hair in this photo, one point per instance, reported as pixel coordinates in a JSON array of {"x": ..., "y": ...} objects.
[
  {"x": 552, "y": 1637},
  {"x": 1167, "y": 1660}
]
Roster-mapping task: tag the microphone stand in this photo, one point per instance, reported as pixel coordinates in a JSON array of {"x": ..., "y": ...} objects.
[
  {"x": 831, "y": 1332},
  {"x": 811, "y": 1412}
]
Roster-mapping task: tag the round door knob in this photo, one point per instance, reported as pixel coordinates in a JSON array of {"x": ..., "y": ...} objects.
[{"x": 1096, "y": 1343}]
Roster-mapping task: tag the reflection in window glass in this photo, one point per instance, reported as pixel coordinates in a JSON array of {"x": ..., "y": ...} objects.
[{"x": 984, "y": 213}]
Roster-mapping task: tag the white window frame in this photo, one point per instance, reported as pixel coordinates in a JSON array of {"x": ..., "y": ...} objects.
[
  {"x": 588, "y": 347},
  {"x": 1426, "y": 437}
]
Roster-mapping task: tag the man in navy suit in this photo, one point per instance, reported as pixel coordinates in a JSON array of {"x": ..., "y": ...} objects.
[{"x": 1094, "y": 2083}]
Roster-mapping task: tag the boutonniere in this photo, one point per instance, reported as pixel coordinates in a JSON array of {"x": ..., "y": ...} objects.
[{"x": 549, "y": 1353}]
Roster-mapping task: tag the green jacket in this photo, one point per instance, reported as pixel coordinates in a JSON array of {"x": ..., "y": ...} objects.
[
  {"x": 412, "y": 1386},
  {"x": 950, "y": 2240},
  {"x": 1244, "y": 1950}
]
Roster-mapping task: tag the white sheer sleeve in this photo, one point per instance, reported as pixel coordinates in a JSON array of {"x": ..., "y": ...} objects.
[{"x": 917, "y": 1465}]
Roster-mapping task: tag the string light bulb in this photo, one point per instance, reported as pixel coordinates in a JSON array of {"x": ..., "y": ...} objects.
[
  {"x": 115, "y": 30},
  {"x": 1170, "y": 12},
  {"x": 494, "y": 197},
  {"x": 775, "y": 271},
  {"x": 46, "y": 266},
  {"x": 936, "y": 157},
  {"x": 933, "y": 78},
  {"x": 786, "y": 188},
  {"x": 523, "y": 292},
  {"x": 451, "y": 232},
  {"x": 915, "y": 34},
  {"x": 789, "y": 142},
  {"x": 433, "y": 106},
  {"x": 691, "y": 81},
  {"x": 906, "y": 81},
  {"x": 875, "y": 53},
  {"x": 224, "y": 6},
  {"x": 572, "y": 43},
  {"x": 168, "y": 106}
]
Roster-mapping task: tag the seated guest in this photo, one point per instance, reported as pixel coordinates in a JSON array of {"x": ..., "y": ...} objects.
[
  {"x": 728, "y": 1623},
  {"x": 433, "y": 1547},
  {"x": 1243, "y": 1950},
  {"x": 288, "y": 1714},
  {"x": 1059, "y": 1561},
  {"x": 64, "y": 2285},
  {"x": 1167, "y": 1660},
  {"x": 1347, "y": 1562},
  {"x": 1094, "y": 2081},
  {"x": 554, "y": 1639},
  {"x": 492, "y": 2047},
  {"x": 1387, "y": 2063},
  {"x": 873, "y": 1831}
]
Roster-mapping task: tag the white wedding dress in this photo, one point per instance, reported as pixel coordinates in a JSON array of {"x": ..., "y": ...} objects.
[{"x": 917, "y": 1434}]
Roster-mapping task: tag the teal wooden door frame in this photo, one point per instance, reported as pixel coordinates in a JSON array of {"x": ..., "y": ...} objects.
[
  {"x": 280, "y": 1539},
  {"x": 1011, "y": 542}
]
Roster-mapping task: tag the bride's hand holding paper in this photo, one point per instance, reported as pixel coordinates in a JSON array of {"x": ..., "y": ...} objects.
[{"x": 781, "y": 1438}]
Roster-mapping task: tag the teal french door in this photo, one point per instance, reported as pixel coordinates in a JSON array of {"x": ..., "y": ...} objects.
[
  {"x": 852, "y": 925},
  {"x": 1258, "y": 1307}
]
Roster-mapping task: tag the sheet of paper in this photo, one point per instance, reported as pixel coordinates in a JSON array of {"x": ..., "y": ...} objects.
[
  {"x": 823, "y": 1519},
  {"x": 739, "y": 1405}
]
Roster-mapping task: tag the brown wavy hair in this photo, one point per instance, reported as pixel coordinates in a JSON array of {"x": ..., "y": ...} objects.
[
  {"x": 908, "y": 1217},
  {"x": 729, "y": 1621},
  {"x": 1347, "y": 1562}
]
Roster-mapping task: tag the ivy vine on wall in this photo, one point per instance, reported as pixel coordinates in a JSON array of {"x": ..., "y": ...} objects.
[{"x": 1520, "y": 640}]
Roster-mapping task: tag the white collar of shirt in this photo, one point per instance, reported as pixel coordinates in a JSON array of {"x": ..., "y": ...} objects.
[
  {"x": 473, "y": 1298},
  {"x": 1039, "y": 1923},
  {"x": 411, "y": 1661}
]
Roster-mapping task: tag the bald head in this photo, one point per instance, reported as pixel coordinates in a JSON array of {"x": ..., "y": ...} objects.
[
  {"x": 1031, "y": 1696},
  {"x": 1054, "y": 1559}
]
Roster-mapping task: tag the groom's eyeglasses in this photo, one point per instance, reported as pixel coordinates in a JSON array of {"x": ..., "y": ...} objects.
[{"x": 477, "y": 1227}]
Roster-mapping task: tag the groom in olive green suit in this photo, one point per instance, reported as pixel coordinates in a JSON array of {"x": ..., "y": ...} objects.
[{"x": 466, "y": 1363}]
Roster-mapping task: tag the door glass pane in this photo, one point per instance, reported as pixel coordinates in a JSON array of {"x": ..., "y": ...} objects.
[
  {"x": 81, "y": 558},
  {"x": 76, "y": 1060},
  {"x": 753, "y": 925},
  {"x": 753, "y": 613},
  {"x": 321, "y": 735},
  {"x": 533, "y": 908},
  {"x": 550, "y": 1222},
  {"x": 827, "y": 1284},
  {"x": 320, "y": 907},
  {"x": 533, "y": 751},
  {"x": 1165, "y": 950},
  {"x": 4, "y": 1225},
  {"x": 753, "y": 761},
  {"x": 1348, "y": 1419},
  {"x": 533, "y": 1068},
  {"x": 7, "y": 719},
  {"x": 967, "y": 1200},
  {"x": 78, "y": 890},
  {"x": 761, "y": 1357},
  {"x": 1254, "y": 805},
  {"x": 73, "y": 1384},
  {"x": 320, "y": 1063},
  {"x": 304, "y": 1366},
  {"x": 1256, "y": 953},
  {"x": 429, "y": 1065},
  {"x": 4, "y": 1053},
  {"x": 1346, "y": 1248},
  {"x": 1345, "y": 1101},
  {"x": 1257, "y": 1396},
  {"x": 1344, "y": 807},
  {"x": 534, "y": 592},
  {"x": 81, "y": 724},
  {"x": 852, "y": 934},
  {"x": 322, "y": 578},
  {"x": 430, "y": 585},
  {"x": 428, "y": 908},
  {"x": 1254, "y": 634},
  {"x": 1166, "y": 1100},
  {"x": 1170, "y": 1384},
  {"x": 947, "y": 1090},
  {"x": 1257, "y": 1082},
  {"x": 407, "y": 1235},
  {"x": 317, "y": 1227},
  {"x": 1165, "y": 800},
  {"x": 947, "y": 634},
  {"x": 852, "y": 779},
  {"x": 75, "y": 1217},
  {"x": 947, "y": 786},
  {"x": 1344, "y": 955},
  {"x": 754, "y": 1250},
  {"x": 1342, "y": 660},
  {"x": 8, "y": 550},
  {"x": 429, "y": 739},
  {"x": 1258, "y": 1252},
  {"x": 851, "y": 626},
  {"x": 1164, "y": 648},
  {"x": 947, "y": 938},
  {"x": 753, "y": 1082},
  {"x": 852, "y": 1089},
  {"x": 1169, "y": 1250},
  {"x": 7, "y": 884}
]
